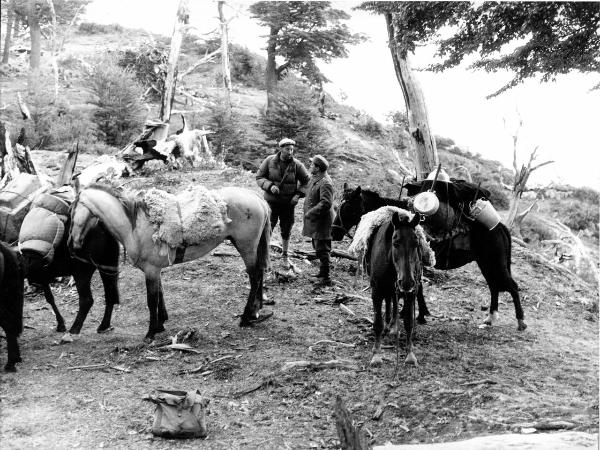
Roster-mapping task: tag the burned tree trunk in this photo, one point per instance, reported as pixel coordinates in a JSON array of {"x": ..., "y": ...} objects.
[
  {"x": 350, "y": 437},
  {"x": 423, "y": 142}
]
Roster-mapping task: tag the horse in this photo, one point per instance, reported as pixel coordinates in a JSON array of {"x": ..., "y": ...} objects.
[
  {"x": 100, "y": 252},
  {"x": 11, "y": 302},
  {"x": 127, "y": 219},
  {"x": 393, "y": 261},
  {"x": 490, "y": 249}
]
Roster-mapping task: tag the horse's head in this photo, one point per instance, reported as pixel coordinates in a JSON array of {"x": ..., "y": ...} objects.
[
  {"x": 406, "y": 252},
  {"x": 82, "y": 221},
  {"x": 348, "y": 214}
]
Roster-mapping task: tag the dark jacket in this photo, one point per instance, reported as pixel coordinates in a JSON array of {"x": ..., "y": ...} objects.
[
  {"x": 290, "y": 178},
  {"x": 318, "y": 208}
]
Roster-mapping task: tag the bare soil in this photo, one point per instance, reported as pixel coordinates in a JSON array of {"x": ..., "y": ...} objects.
[{"x": 470, "y": 380}]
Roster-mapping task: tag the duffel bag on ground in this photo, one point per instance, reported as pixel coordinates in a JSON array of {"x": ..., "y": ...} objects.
[{"x": 179, "y": 414}]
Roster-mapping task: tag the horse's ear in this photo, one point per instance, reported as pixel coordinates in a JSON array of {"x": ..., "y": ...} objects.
[
  {"x": 345, "y": 186},
  {"x": 358, "y": 190},
  {"x": 396, "y": 220},
  {"x": 415, "y": 220}
]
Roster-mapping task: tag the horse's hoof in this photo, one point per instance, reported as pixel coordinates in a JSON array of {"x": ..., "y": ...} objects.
[
  {"x": 68, "y": 338},
  {"x": 376, "y": 360},
  {"x": 61, "y": 328},
  {"x": 411, "y": 359},
  {"x": 10, "y": 367},
  {"x": 104, "y": 330},
  {"x": 421, "y": 320},
  {"x": 522, "y": 326}
]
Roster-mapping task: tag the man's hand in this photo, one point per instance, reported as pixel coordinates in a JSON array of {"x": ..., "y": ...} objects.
[
  {"x": 294, "y": 200},
  {"x": 274, "y": 190}
]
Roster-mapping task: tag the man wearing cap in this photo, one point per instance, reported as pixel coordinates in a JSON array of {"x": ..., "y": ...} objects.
[
  {"x": 318, "y": 215},
  {"x": 283, "y": 179}
]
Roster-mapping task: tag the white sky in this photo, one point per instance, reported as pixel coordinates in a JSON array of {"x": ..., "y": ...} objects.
[{"x": 561, "y": 117}]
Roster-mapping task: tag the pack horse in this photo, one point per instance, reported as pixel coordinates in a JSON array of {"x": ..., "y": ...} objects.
[{"x": 159, "y": 229}]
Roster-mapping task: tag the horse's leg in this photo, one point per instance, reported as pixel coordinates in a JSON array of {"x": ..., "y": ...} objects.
[
  {"x": 163, "y": 316},
  {"x": 153, "y": 296},
  {"x": 377, "y": 296},
  {"x": 111, "y": 298},
  {"x": 493, "y": 311},
  {"x": 409, "y": 323},
  {"x": 513, "y": 290},
  {"x": 394, "y": 322},
  {"x": 83, "y": 278},
  {"x": 423, "y": 311},
  {"x": 388, "y": 315},
  {"x": 253, "y": 302},
  {"x": 14, "y": 356},
  {"x": 60, "y": 322}
]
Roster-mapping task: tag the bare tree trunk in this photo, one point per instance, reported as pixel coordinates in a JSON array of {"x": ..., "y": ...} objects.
[
  {"x": 183, "y": 15},
  {"x": 225, "y": 60},
  {"x": 53, "y": 50},
  {"x": 271, "y": 69},
  {"x": 10, "y": 23},
  {"x": 36, "y": 44},
  {"x": 422, "y": 139}
]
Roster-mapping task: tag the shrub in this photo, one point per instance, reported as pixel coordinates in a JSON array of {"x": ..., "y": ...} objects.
[
  {"x": 149, "y": 64},
  {"x": 579, "y": 215},
  {"x": 230, "y": 134},
  {"x": 369, "y": 126},
  {"x": 97, "y": 28},
  {"x": 246, "y": 67},
  {"x": 499, "y": 196},
  {"x": 119, "y": 114},
  {"x": 294, "y": 115}
]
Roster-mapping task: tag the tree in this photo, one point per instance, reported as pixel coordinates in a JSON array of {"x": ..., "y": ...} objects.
[
  {"x": 549, "y": 38},
  {"x": 226, "y": 73},
  {"x": 300, "y": 33},
  {"x": 9, "y": 7}
]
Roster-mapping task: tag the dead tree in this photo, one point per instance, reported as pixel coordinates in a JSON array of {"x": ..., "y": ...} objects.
[
  {"x": 351, "y": 438},
  {"x": 226, "y": 73},
  {"x": 422, "y": 139},
  {"x": 519, "y": 185},
  {"x": 183, "y": 16}
]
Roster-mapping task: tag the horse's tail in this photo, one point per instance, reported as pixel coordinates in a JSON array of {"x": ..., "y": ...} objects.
[{"x": 263, "y": 253}]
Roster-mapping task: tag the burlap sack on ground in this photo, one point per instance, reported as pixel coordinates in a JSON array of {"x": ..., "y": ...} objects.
[{"x": 190, "y": 218}]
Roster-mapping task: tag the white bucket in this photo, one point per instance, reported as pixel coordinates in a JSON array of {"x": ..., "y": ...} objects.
[
  {"x": 426, "y": 203},
  {"x": 483, "y": 211}
]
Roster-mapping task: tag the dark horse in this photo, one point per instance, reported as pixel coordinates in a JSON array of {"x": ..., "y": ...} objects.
[
  {"x": 11, "y": 302},
  {"x": 393, "y": 263},
  {"x": 491, "y": 249},
  {"x": 99, "y": 252}
]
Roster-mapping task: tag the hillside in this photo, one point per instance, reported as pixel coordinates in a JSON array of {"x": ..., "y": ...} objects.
[{"x": 471, "y": 380}]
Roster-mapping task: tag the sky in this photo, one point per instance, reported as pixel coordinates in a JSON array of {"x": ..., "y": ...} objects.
[{"x": 560, "y": 117}]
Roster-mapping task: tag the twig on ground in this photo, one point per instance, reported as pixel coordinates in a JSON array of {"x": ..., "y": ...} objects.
[
  {"x": 256, "y": 387},
  {"x": 347, "y": 310},
  {"x": 327, "y": 341},
  {"x": 91, "y": 366},
  {"x": 475, "y": 383},
  {"x": 206, "y": 365},
  {"x": 180, "y": 347},
  {"x": 319, "y": 365}
]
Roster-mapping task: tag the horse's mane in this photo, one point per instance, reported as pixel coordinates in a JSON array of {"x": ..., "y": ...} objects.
[
  {"x": 130, "y": 204},
  {"x": 379, "y": 200}
]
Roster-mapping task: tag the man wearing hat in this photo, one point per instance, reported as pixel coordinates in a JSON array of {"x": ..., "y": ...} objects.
[
  {"x": 283, "y": 179},
  {"x": 318, "y": 215}
]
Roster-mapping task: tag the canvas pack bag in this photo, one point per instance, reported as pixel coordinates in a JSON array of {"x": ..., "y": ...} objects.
[{"x": 179, "y": 414}]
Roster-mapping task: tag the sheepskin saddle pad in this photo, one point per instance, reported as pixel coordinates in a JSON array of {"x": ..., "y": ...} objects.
[
  {"x": 371, "y": 220},
  {"x": 194, "y": 216}
]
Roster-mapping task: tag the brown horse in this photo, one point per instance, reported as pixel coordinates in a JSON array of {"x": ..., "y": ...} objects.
[
  {"x": 393, "y": 261},
  {"x": 127, "y": 219}
]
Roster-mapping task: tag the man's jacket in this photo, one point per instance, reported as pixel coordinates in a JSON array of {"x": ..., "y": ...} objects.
[
  {"x": 318, "y": 208},
  {"x": 290, "y": 178}
]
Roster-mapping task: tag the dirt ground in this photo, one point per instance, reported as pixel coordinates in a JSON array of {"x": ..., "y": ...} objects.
[{"x": 470, "y": 381}]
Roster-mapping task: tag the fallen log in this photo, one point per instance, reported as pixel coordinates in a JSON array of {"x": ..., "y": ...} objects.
[{"x": 573, "y": 440}]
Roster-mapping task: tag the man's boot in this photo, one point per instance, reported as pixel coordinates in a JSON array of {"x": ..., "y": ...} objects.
[
  {"x": 323, "y": 278},
  {"x": 285, "y": 261}
]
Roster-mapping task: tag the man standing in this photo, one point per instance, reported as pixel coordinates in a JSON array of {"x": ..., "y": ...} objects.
[
  {"x": 283, "y": 179},
  {"x": 318, "y": 215}
]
